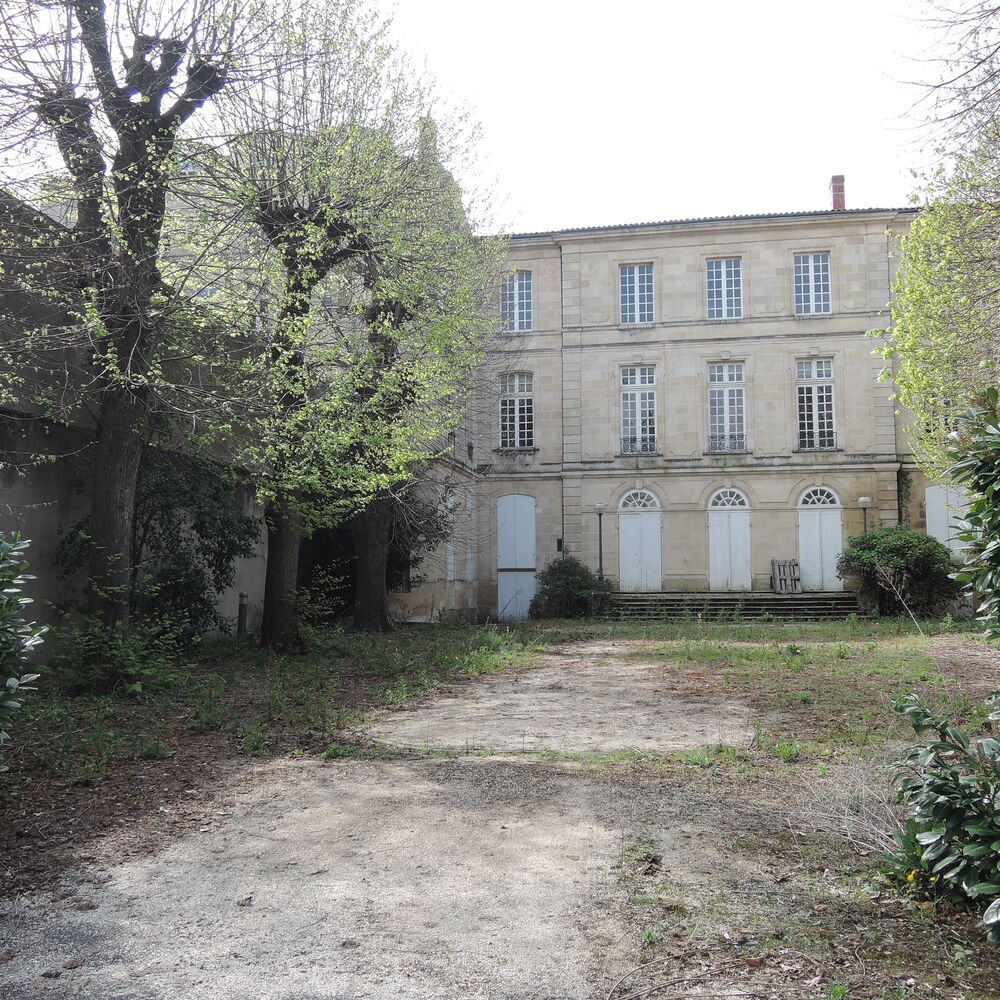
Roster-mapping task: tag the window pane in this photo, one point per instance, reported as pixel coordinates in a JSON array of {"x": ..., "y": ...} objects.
[
  {"x": 807, "y": 427},
  {"x": 812, "y": 283},
  {"x": 628, "y": 293},
  {"x": 507, "y": 304},
  {"x": 815, "y": 404},
  {"x": 734, "y": 288},
  {"x": 523, "y": 300},
  {"x": 726, "y": 429},
  {"x": 821, "y": 283},
  {"x": 715, "y": 289},
  {"x": 636, "y": 293},
  {"x": 517, "y": 405},
  {"x": 645, "y": 293},
  {"x": 803, "y": 300}
]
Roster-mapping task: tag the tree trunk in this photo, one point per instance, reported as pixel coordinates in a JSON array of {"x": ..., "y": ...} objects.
[
  {"x": 120, "y": 444},
  {"x": 279, "y": 627},
  {"x": 370, "y": 530}
]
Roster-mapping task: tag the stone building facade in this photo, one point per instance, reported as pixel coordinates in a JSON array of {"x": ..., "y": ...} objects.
[{"x": 707, "y": 387}]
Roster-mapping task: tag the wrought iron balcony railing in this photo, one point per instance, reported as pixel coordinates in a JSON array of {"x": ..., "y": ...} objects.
[
  {"x": 638, "y": 446},
  {"x": 727, "y": 442}
]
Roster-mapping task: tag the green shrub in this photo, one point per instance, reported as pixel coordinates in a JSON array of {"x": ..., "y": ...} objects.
[
  {"x": 564, "y": 589},
  {"x": 17, "y": 637},
  {"x": 129, "y": 659},
  {"x": 950, "y": 846},
  {"x": 976, "y": 455},
  {"x": 898, "y": 566},
  {"x": 190, "y": 531}
]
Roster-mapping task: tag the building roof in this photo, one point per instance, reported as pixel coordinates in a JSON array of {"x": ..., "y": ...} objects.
[{"x": 708, "y": 219}]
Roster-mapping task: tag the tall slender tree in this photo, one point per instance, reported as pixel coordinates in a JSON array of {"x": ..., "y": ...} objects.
[{"x": 373, "y": 290}]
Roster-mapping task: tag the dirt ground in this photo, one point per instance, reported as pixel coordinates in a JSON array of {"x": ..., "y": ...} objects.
[
  {"x": 449, "y": 864},
  {"x": 578, "y": 698}
]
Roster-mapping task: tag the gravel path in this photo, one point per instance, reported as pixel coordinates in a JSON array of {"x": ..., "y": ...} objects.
[
  {"x": 586, "y": 697},
  {"x": 478, "y": 878}
]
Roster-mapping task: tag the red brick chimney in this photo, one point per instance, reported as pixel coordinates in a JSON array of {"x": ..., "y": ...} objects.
[{"x": 837, "y": 192}]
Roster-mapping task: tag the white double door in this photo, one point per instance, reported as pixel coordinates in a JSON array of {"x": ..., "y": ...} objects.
[
  {"x": 639, "y": 567},
  {"x": 820, "y": 544},
  {"x": 729, "y": 549},
  {"x": 516, "y": 556}
]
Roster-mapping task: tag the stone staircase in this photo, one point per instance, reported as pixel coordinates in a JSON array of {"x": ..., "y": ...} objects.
[{"x": 732, "y": 606}]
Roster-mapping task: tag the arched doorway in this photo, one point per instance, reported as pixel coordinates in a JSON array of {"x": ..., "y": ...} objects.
[
  {"x": 821, "y": 539},
  {"x": 729, "y": 541},
  {"x": 515, "y": 556},
  {"x": 639, "y": 523}
]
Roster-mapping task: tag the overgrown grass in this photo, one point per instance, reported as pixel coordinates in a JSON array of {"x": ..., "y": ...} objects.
[
  {"x": 255, "y": 702},
  {"x": 750, "y": 630},
  {"x": 819, "y": 687}
]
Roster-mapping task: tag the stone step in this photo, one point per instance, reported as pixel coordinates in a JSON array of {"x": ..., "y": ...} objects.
[{"x": 812, "y": 605}]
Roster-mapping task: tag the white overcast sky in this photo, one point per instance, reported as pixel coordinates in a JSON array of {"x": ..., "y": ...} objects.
[{"x": 596, "y": 113}]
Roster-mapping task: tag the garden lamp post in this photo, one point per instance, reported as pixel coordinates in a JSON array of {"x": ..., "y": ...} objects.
[
  {"x": 864, "y": 503},
  {"x": 601, "y": 582}
]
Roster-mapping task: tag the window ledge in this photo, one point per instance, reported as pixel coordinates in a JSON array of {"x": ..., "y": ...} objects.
[
  {"x": 724, "y": 454},
  {"x": 639, "y": 454},
  {"x": 637, "y": 326},
  {"x": 515, "y": 451},
  {"x": 813, "y": 451},
  {"x": 825, "y": 315},
  {"x": 515, "y": 333}
]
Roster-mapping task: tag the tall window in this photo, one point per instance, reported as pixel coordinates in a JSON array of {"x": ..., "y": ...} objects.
[
  {"x": 725, "y": 288},
  {"x": 814, "y": 380},
  {"x": 517, "y": 411},
  {"x": 726, "y": 407},
  {"x": 636, "y": 285},
  {"x": 812, "y": 283},
  {"x": 515, "y": 302},
  {"x": 639, "y": 410}
]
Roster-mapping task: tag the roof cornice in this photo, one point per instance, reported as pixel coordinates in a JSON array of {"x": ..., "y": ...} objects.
[{"x": 583, "y": 232}]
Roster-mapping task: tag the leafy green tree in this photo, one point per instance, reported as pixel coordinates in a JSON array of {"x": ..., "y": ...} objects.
[
  {"x": 373, "y": 293},
  {"x": 104, "y": 90},
  {"x": 943, "y": 346},
  {"x": 944, "y": 342}
]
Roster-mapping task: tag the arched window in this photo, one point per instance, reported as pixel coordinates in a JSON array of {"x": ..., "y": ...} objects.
[
  {"x": 819, "y": 496},
  {"x": 517, "y": 410},
  {"x": 639, "y": 500},
  {"x": 728, "y": 498}
]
